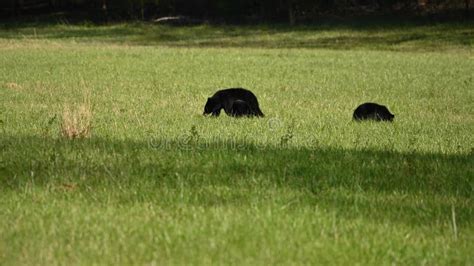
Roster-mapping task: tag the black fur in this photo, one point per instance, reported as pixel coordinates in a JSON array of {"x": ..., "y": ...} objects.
[
  {"x": 372, "y": 111},
  {"x": 240, "y": 108},
  {"x": 225, "y": 99}
]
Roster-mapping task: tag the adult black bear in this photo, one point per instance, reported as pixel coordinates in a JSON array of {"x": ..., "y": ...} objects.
[
  {"x": 246, "y": 101},
  {"x": 372, "y": 111}
]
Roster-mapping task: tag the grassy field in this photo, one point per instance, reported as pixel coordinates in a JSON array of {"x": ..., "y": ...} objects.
[{"x": 158, "y": 183}]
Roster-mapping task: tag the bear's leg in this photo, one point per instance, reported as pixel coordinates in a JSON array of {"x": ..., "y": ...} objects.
[{"x": 216, "y": 111}]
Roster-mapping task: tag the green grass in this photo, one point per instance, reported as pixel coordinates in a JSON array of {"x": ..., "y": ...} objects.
[
  {"x": 360, "y": 36},
  {"x": 158, "y": 183}
]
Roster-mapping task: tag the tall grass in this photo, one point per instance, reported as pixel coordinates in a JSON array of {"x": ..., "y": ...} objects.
[{"x": 77, "y": 122}]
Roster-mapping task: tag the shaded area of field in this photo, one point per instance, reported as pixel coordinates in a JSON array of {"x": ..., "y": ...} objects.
[
  {"x": 377, "y": 35},
  {"x": 173, "y": 201},
  {"x": 432, "y": 182}
]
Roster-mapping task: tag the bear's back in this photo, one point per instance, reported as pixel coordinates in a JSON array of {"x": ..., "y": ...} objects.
[{"x": 236, "y": 93}]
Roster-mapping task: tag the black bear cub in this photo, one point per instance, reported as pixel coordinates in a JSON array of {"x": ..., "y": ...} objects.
[
  {"x": 235, "y": 101},
  {"x": 372, "y": 111}
]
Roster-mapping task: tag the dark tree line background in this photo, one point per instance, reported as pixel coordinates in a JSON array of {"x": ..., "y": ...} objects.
[{"x": 290, "y": 11}]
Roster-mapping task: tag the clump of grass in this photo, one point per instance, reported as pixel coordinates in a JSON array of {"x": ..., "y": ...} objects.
[
  {"x": 77, "y": 121},
  {"x": 49, "y": 125},
  {"x": 287, "y": 137}
]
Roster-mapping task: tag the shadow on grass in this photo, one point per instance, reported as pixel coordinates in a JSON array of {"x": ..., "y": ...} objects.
[
  {"x": 380, "y": 36},
  {"x": 376, "y": 184}
]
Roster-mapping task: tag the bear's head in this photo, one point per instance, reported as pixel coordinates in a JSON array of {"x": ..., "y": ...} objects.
[
  {"x": 391, "y": 117},
  {"x": 384, "y": 116},
  {"x": 212, "y": 106}
]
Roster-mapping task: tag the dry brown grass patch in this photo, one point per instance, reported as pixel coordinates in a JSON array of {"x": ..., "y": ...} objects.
[
  {"x": 13, "y": 86},
  {"x": 77, "y": 121}
]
